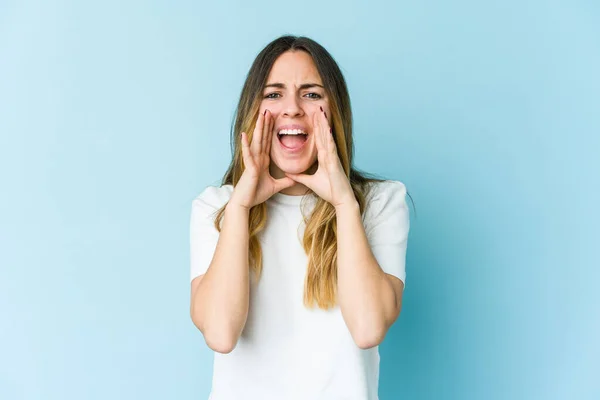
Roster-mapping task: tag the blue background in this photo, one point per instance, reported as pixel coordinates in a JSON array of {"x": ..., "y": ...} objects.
[{"x": 114, "y": 115}]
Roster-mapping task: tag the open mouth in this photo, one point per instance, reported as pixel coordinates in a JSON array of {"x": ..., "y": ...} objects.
[{"x": 292, "y": 139}]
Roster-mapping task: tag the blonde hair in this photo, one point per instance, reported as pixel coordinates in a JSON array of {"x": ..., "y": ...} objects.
[{"x": 320, "y": 235}]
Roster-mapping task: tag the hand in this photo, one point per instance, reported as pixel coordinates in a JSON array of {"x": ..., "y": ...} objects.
[
  {"x": 256, "y": 184},
  {"x": 329, "y": 182}
]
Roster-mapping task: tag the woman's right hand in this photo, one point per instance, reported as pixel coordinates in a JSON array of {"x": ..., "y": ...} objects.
[{"x": 256, "y": 184}]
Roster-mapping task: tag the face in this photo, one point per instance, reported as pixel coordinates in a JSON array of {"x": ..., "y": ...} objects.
[{"x": 293, "y": 94}]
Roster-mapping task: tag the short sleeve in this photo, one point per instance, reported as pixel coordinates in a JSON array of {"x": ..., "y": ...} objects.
[
  {"x": 387, "y": 223},
  {"x": 203, "y": 234}
]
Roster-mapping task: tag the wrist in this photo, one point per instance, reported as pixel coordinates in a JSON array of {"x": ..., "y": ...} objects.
[
  {"x": 349, "y": 206},
  {"x": 236, "y": 207}
]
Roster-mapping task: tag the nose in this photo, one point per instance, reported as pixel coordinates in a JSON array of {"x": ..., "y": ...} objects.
[{"x": 291, "y": 107}]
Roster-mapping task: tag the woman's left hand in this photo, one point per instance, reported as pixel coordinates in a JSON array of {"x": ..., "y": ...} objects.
[{"x": 330, "y": 181}]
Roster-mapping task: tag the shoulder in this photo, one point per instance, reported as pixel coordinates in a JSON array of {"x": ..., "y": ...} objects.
[
  {"x": 385, "y": 199},
  {"x": 381, "y": 192},
  {"x": 213, "y": 197}
]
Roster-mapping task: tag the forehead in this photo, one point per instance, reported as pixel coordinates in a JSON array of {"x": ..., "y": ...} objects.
[{"x": 294, "y": 68}]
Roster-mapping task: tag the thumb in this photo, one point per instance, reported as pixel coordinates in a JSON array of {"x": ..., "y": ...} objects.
[
  {"x": 304, "y": 179},
  {"x": 283, "y": 183}
]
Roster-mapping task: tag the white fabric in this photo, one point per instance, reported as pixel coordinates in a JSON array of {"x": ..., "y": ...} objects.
[{"x": 287, "y": 351}]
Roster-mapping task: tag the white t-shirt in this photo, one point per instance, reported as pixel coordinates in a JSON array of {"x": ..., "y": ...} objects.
[{"x": 287, "y": 351}]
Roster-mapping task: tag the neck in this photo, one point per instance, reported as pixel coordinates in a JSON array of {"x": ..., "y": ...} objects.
[{"x": 296, "y": 190}]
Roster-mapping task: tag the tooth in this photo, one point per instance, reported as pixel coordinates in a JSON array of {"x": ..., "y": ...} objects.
[{"x": 292, "y": 132}]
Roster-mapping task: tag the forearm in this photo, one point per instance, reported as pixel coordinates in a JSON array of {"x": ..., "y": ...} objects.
[
  {"x": 221, "y": 299},
  {"x": 364, "y": 292}
]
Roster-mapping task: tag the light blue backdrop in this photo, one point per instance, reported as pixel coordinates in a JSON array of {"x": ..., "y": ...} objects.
[{"x": 114, "y": 115}]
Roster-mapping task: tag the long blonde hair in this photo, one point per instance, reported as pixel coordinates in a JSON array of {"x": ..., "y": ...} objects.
[{"x": 320, "y": 235}]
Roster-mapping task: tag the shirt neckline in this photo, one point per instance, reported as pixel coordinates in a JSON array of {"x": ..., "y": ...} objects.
[{"x": 287, "y": 198}]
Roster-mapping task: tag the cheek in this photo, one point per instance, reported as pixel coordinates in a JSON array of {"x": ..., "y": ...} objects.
[{"x": 272, "y": 107}]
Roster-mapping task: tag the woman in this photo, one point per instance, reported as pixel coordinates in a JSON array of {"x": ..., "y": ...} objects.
[{"x": 297, "y": 260}]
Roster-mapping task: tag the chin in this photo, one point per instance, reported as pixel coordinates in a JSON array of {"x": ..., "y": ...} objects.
[
  {"x": 293, "y": 166},
  {"x": 295, "y": 169}
]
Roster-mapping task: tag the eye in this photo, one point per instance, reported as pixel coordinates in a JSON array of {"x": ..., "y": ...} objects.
[
  {"x": 271, "y": 95},
  {"x": 314, "y": 95}
]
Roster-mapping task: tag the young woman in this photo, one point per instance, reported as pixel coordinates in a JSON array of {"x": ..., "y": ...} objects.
[{"x": 297, "y": 259}]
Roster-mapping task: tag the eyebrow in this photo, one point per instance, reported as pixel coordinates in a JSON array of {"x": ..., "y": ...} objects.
[{"x": 303, "y": 86}]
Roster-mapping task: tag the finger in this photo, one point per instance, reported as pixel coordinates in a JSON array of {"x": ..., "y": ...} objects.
[
  {"x": 331, "y": 142},
  {"x": 270, "y": 137},
  {"x": 318, "y": 134},
  {"x": 323, "y": 127},
  {"x": 324, "y": 119},
  {"x": 265, "y": 131},
  {"x": 245, "y": 148},
  {"x": 324, "y": 130},
  {"x": 321, "y": 139},
  {"x": 328, "y": 139},
  {"x": 327, "y": 133},
  {"x": 257, "y": 134},
  {"x": 304, "y": 179}
]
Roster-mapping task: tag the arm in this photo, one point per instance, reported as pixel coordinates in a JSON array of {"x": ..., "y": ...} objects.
[
  {"x": 219, "y": 299},
  {"x": 370, "y": 299}
]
